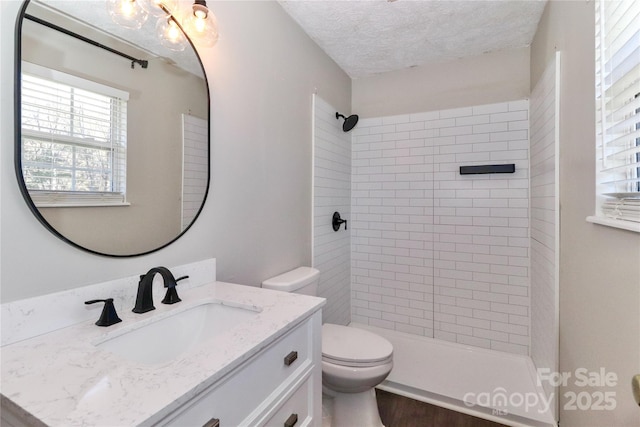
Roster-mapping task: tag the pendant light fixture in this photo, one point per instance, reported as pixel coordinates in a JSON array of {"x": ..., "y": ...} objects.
[
  {"x": 170, "y": 34},
  {"x": 127, "y": 13},
  {"x": 199, "y": 22}
]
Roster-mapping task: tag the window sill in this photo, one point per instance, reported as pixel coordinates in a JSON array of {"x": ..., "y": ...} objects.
[
  {"x": 73, "y": 199},
  {"x": 81, "y": 205},
  {"x": 616, "y": 223}
]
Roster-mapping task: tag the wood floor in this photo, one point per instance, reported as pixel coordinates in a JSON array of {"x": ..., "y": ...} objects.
[{"x": 399, "y": 411}]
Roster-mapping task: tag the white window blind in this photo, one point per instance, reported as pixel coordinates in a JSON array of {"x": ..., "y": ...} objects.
[
  {"x": 74, "y": 139},
  {"x": 618, "y": 109}
]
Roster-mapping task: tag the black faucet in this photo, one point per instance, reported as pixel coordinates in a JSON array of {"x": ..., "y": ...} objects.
[{"x": 144, "y": 300}]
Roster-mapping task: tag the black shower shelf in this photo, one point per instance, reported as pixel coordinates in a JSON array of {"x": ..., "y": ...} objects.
[{"x": 483, "y": 169}]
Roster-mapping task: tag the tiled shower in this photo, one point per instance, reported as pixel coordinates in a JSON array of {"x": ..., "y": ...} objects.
[
  {"x": 331, "y": 193},
  {"x": 434, "y": 253}
]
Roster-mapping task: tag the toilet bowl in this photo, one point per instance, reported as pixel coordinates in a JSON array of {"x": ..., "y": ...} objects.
[{"x": 354, "y": 361}]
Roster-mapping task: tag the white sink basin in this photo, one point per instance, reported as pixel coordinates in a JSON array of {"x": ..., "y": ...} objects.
[{"x": 163, "y": 340}]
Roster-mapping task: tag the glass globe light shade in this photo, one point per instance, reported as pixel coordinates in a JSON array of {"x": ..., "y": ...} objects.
[
  {"x": 170, "y": 34},
  {"x": 158, "y": 8},
  {"x": 127, "y": 13},
  {"x": 201, "y": 26}
]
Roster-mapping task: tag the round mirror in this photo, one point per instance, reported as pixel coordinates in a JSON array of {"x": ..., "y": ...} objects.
[{"x": 112, "y": 128}]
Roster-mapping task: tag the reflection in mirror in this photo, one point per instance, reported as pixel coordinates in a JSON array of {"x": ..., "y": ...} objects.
[{"x": 113, "y": 157}]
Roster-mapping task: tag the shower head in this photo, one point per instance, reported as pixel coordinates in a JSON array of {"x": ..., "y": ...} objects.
[{"x": 349, "y": 122}]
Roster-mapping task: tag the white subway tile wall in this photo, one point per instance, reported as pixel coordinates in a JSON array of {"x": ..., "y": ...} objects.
[
  {"x": 436, "y": 253},
  {"x": 195, "y": 169},
  {"x": 332, "y": 192},
  {"x": 544, "y": 204}
]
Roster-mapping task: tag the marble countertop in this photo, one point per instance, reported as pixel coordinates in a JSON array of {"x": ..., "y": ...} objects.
[{"x": 62, "y": 378}]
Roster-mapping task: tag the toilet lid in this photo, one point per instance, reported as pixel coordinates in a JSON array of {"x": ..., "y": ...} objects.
[{"x": 353, "y": 345}]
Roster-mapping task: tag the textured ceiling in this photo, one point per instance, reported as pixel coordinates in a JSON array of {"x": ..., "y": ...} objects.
[{"x": 366, "y": 37}]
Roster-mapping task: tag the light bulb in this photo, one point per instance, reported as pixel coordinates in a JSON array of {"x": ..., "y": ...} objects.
[
  {"x": 126, "y": 9},
  {"x": 201, "y": 25},
  {"x": 159, "y": 8},
  {"x": 174, "y": 33},
  {"x": 127, "y": 13},
  {"x": 170, "y": 34}
]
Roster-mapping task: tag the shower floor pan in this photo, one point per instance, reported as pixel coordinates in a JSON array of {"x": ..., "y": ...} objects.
[{"x": 488, "y": 384}]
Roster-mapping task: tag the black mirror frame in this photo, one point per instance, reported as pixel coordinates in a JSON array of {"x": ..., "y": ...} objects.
[{"x": 17, "y": 108}]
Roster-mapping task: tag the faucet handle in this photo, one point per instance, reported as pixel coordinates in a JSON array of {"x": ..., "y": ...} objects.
[
  {"x": 171, "y": 297},
  {"x": 336, "y": 221},
  {"x": 108, "y": 316}
]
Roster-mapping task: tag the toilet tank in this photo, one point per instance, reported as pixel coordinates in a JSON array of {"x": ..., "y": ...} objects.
[{"x": 302, "y": 280}]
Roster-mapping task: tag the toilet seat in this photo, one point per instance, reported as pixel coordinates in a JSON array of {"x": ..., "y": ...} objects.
[{"x": 353, "y": 347}]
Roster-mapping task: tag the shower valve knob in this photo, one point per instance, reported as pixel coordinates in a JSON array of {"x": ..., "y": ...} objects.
[{"x": 336, "y": 221}]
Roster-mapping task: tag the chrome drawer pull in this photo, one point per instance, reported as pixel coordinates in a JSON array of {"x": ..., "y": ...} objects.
[
  {"x": 290, "y": 358},
  {"x": 291, "y": 421},
  {"x": 213, "y": 422}
]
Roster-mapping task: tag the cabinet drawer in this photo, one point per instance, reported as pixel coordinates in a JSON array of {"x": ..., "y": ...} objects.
[
  {"x": 297, "y": 411},
  {"x": 236, "y": 396}
]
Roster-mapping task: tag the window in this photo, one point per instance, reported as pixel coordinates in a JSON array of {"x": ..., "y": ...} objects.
[
  {"x": 618, "y": 113},
  {"x": 74, "y": 135}
]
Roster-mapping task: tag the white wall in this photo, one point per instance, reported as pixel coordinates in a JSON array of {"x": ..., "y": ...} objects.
[
  {"x": 544, "y": 224},
  {"x": 485, "y": 79},
  {"x": 599, "y": 266},
  {"x": 257, "y": 219},
  {"x": 436, "y": 253},
  {"x": 332, "y": 193}
]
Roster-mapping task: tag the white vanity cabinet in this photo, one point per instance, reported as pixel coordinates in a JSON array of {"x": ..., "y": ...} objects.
[{"x": 278, "y": 386}]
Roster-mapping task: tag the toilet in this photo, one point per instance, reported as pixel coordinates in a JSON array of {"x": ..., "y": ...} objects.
[{"x": 354, "y": 361}]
